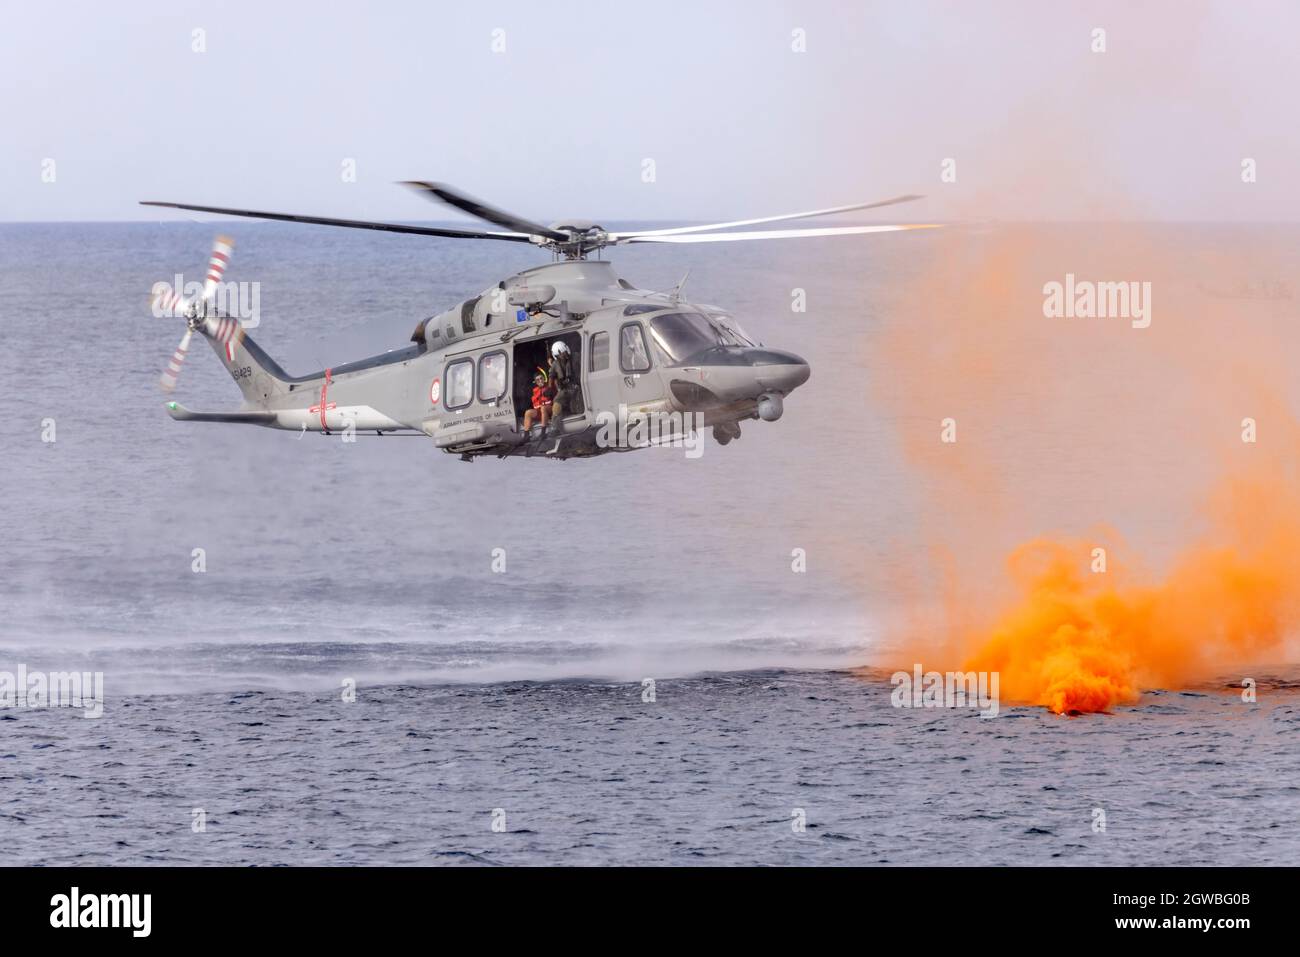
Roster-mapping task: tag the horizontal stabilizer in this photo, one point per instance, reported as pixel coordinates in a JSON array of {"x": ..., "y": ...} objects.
[{"x": 182, "y": 414}]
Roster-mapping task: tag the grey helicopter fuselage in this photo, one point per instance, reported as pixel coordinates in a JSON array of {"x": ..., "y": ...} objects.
[{"x": 466, "y": 379}]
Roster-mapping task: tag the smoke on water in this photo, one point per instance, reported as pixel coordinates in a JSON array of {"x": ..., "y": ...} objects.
[{"x": 1104, "y": 506}]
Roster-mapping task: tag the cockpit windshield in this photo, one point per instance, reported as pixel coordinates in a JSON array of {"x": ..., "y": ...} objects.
[
  {"x": 732, "y": 328},
  {"x": 682, "y": 334}
]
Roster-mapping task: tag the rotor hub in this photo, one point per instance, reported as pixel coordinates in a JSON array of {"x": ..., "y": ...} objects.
[{"x": 583, "y": 235}]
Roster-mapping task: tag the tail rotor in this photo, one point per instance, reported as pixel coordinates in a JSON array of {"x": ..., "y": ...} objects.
[{"x": 195, "y": 311}]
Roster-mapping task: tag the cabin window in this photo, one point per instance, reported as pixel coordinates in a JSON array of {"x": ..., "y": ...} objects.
[
  {"x": 632, "y": 353},
  {"x": 492, "y": 377},
  {"x": 460, "y": 383},
  {"x": 600, "y": 352}
]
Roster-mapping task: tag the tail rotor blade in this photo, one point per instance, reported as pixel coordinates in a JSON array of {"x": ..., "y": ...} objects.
[
  {"x": 217, "y": 263},
  {"x": 169, "y": 301},
  {"x": 173, "y": 370}
]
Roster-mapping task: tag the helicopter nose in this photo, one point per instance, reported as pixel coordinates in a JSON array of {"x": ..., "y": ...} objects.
[
  {"x": 778, "y": 371},
  {"x": 730, "y": 374}
]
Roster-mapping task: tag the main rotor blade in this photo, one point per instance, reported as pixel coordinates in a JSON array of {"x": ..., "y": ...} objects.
[
  {"x": 775, "y": 234},
  {"x": 480, "y": 209},
  {"x": 682, "y": 230},
  {"x": 349, "y": 223}
]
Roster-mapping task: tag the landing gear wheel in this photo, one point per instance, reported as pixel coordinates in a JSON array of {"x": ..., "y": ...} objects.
[{"x": 724, "y": 432}]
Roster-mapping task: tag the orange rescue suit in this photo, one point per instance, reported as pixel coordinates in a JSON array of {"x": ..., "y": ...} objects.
[{"x": 543, "y": 395}]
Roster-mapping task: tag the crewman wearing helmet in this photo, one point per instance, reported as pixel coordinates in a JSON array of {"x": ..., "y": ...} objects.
[{"x": 562, "y": 378}]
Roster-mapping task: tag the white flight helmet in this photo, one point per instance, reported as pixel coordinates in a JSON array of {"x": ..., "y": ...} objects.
[{"x": 558, "y": 348}]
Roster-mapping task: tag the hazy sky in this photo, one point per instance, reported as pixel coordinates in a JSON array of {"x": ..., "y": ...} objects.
[{"x": 736, "y": 121}]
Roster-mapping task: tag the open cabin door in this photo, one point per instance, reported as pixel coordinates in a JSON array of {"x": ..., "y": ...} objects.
[{"x": 534, "y": 355}]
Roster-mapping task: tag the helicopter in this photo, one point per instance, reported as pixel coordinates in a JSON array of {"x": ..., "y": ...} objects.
[{"x": 466, "y": 380}]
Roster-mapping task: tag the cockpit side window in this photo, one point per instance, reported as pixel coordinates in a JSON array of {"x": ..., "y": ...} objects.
[
  {"x": 633, "y": 356},
  {"x": 460, "y": 383}
]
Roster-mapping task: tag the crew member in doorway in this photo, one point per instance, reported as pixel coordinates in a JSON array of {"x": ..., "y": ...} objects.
[
  {"x": 543, "y": 396},
  {"x": 560, "y": 377}
]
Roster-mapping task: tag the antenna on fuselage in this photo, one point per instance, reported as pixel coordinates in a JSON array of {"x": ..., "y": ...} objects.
[{"x": 676, "y": 294}]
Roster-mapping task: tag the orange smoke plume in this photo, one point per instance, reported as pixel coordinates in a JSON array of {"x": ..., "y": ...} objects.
[
  {"x": 1064, "y": 426},
  {"x": 1084, "y": 424},
  {"x": 1084, "y": 639}
]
